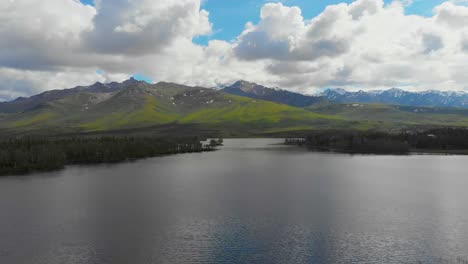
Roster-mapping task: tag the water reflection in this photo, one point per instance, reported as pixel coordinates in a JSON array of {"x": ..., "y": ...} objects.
[{"x": 251, "y": 202}]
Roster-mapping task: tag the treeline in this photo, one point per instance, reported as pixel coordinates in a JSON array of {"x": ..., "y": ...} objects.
[
  {"x": 448, "y": 140},
  {"x": 25, "y": 155}
]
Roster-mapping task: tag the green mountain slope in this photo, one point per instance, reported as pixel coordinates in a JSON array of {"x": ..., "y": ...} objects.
[
  {"x": 139, "y": 105},
  {"x": 394, "y": 116},
  {"x": 144, "y": 105}
]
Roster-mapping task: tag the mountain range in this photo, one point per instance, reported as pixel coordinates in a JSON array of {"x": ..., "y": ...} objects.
[
  {"x": 392, "y": 96},
  {"x": 135, "y": 104},
  {"x": 397, "y": 96},
  {"x": 243, "y": 108},
  {"x": 253, "y": 90}
]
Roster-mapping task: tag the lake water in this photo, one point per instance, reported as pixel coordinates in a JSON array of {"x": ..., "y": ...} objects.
[{"x": 250, "y": 202}]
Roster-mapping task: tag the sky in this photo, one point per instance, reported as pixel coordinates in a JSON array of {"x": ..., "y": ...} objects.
[
  {"x": 299, "y": 45},
  {"x": 230, "y": 16}
]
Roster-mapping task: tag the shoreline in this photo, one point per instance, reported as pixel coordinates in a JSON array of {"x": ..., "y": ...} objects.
[
  {"x": 35, "y": 155},
  {"x": 410, "y": 152}
]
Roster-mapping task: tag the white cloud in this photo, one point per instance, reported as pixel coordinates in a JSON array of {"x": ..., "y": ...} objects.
[
  {"x": 50, "y": 44},
  {"x": 41, "y": 34},
  {"x": 144, "y": 26},
  {"x": 362, "y": 45},
  {"x": 43, "y": 40},
  {"x": 452, "y": 14},
  {"x": 16, "y": 83},
  {"x": 283, "y": 34}
]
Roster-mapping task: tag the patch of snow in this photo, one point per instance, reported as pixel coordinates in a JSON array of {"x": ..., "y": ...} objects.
[
  {"x": 339, "y": 91},
  {"x": 375, "y": 92}
]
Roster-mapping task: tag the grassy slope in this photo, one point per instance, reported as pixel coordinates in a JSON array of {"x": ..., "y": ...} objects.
[
  {"x": 237, "y": 112},
  {"x": 149, "y": 106},
  {"x": 391, "y": 116},
  {"x": 152, "y": 112},
  {"x": 41, "y": 118},
  {"x": 146, "y": 107},
  {"x": 244, "y": 110}
]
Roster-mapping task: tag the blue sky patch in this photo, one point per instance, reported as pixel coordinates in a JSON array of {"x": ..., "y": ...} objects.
[
  {"x": 88, "y": 2},
  {"x": 142, "y": 77}
]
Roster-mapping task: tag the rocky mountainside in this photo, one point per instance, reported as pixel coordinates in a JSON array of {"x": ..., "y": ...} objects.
[
  {"x": 253, "y": 90},
  {"x": 392, "y": 96},
  {"x": 23, "y": 104}
]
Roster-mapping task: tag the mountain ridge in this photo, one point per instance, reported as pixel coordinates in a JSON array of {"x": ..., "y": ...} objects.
[
  {"x": 397, "y": 96},
  {"x": 393, "y": 96},
  {"x": 257, "y": 110},
  {"x": 141, "y": 104},
  {"x": 256, "y": 91}
]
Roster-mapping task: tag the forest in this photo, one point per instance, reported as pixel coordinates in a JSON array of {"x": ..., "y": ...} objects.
[
  {"x": 437, "y": 140},
  {"x": 32, "y": 154}
]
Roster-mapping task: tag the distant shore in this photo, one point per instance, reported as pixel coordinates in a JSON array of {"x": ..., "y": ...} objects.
[{"x": 444, "y": 141}]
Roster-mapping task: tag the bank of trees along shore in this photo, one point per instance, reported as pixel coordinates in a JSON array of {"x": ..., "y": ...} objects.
[
  {"x": 25, "y": 155},
  {"x": 442, "y": 140}
]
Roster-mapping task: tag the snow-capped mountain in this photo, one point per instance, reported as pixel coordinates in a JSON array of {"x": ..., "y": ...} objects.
[
  {"x": 253, "y": 90},
  {"x": 400, "y": 97}
]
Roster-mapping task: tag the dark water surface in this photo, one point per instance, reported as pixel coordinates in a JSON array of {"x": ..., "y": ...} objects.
[{"x": 250, "y": 202}]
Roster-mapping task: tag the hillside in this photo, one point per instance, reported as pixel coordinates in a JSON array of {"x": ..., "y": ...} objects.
[
  {"x": 139, "y": 105},
  {"x": 253, "y": 90},
  {"x": 173, "y": 109},
  {"x": 22, "y": 104},
  {"x": 393, "y": 116}
]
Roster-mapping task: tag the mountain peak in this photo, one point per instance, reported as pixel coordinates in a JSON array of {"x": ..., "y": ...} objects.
[
  {"x": 334, "y": 91},
  {"x": 131, "y": 81},
  {"x": 97, "y": 84},
  {"x": 246, "y": 86},
  {"x": 394, "y": 89},
  {"x": 395, "y": 92},
  {"x": 256, "y": 91},
  {"x": 243, "y": 82},
  {"x": 20, "y": 98}
]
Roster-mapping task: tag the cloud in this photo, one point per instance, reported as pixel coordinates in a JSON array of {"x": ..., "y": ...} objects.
[
  {"x": 451, "y": 14},
  {"x": 42, "y": 39},
  {"x": 16, "y": 83},
  {"x": 283, "y": 34},
  {"x": 144, "y": 26},
  {"x": 41, "y": 34},
  {"x": 51, "y": 44},
  {"x": 362, "y": 45}
]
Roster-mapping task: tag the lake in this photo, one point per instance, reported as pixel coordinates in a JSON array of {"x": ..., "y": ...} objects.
[{"x": 250, "y": 202}]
